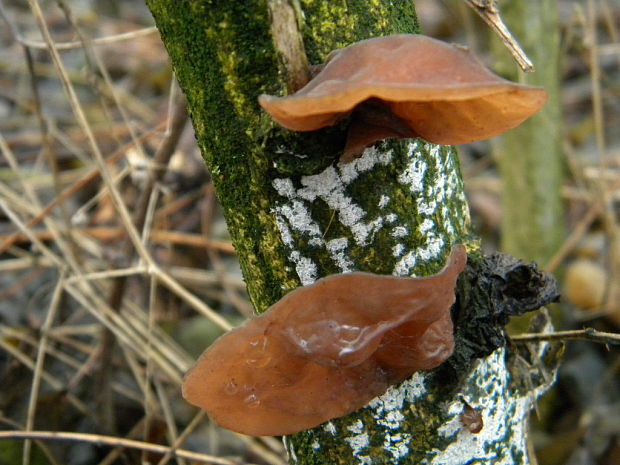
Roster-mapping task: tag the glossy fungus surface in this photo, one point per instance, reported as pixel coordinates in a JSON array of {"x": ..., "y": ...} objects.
[
  {"x": 326, "y": 350},
  {"x": 412, "y": 86}
]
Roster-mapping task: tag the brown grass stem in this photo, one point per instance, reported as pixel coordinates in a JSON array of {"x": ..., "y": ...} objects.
[{"x": 114, "y": 442}]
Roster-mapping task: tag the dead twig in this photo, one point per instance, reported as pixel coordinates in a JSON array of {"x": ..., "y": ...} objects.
[
  {"x": 115, "y": 442},
  {"x": 108, "y": 234},
  {"x": 489, "y": 12},
  {"x": 92, "y": 175},
  {"x": 117, "y": 291},
  {"x": 575, "y": 236},
  {"x": 588, "y": 334},
  {"x": 110, "y": 39},
  {"x": 38, "y": 368}
]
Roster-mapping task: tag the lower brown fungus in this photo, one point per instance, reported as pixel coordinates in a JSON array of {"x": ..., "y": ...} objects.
[{"x": 326, "y": 350}]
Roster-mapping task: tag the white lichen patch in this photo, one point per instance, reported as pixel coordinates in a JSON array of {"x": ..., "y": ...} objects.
[
  {"x": 426, "y": 226},
  {"x": 398, "y": 250},
  {"x": 357, "y": 427},
  {"x": 316, "y": 242},
  {"x": 433, "y": 248},
  {"x": 330, "y": 428},
  {"x": 285, "y": 231},
  {"x": 383, "y": 201},
  {"x": 299, "y": 219},
  {"x": 387, "y": 411},
  {"x": 328, "y": 186},
  {"x": 370, "y": 157},
  {"x": 504, "y": 415},
  {"x": 431, "y": 192},
  {"x": 397, "y": 445},
  {"x": 404, "y": 266},
  {"x": 413, "y": 175},
  {"x": 337, "y": 249},
  {"x": 359, "y": 441},
  {"x": 294, "y": 218},
  {"x": 394, "y": 398},
  {"x": 306, "y": 269},
  {"x": 299, "y": 198},
  {"x": 392, "y": 419},
  {"x": 284, "y": 187},
  {"x": 399, "y": 231}
]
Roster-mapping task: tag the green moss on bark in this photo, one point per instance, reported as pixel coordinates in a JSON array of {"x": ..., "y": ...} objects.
[{"x": 224, "y": 59}]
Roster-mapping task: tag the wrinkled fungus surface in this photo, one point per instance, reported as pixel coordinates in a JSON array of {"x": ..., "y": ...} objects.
[
  {"x": 492, "y": 289},
  {"x": 326, "y": 350},
  {"x": 406, "y": 86}
]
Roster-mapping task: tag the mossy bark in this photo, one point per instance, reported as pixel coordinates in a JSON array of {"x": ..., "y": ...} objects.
[
  {"x": 530, "y": 156},
  {"x": 224, "y": 59},
  {"x": 296, "y": 214}
]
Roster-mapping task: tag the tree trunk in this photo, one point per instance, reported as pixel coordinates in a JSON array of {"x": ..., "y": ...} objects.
[
  {"x": 295, "y": 214},
  {"x": 530, "y": 156}
]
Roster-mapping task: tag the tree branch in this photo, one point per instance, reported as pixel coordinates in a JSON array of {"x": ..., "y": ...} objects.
[{"x": 588, "y": 334}]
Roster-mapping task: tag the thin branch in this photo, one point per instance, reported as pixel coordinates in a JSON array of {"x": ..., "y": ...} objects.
[
  {"x": 150, "y": 402},
  {"x": 46, "y": 142},
  {"x": 45, "y": 376},
  {"x": 41, "y": 45},
  {"x": 117, "y": 291},
  {"x": 574, "y": 237},
  {"x": 79, "y": 185},
  {"x": 40, "y": 360},
  {"x": 106, "y": 234},
  {"x": 111, "y": 39},
  {"x": 172, "y": 432},
  {"x": 198, "y": 305},
  {"x": 588, "y": 334},
  {"x": 115, "y": 442},
  {"x": 489, "y": 12},
  {"x": 189, "y": 429},
  {"x": 80, "y": 115},
  {"x": 161, "y": 160},
  {"x": 133, "y": 337},
  {"x": 41, "y": 444},
  {"x": 94, "y": 64}
]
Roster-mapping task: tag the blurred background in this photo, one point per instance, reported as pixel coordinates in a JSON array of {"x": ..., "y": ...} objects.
[{"x": 95, "y": 335}]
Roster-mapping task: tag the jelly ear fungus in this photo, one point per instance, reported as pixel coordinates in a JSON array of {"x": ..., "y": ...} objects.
[
  {"x": 326, "y": 350},
  {"x": 406, "y": 85}
]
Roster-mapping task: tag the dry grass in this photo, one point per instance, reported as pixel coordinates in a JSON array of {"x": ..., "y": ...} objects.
[
  {"x": 113, "y": 250},
  {"x": 108, "y": 218}
]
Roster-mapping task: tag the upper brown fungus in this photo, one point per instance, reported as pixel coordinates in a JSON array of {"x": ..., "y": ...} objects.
[
  {"x": 406, "y": 86},
  {"x": 326, "y": 350}
]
